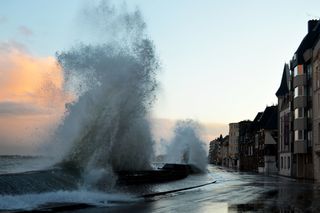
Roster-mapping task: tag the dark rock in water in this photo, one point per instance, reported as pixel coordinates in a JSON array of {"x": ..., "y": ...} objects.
[{"x": 168, "y": 172}]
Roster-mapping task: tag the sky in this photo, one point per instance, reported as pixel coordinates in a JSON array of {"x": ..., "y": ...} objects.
[{"x": 221, "y": 61}]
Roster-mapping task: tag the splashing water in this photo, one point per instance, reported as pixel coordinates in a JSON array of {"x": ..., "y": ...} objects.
[
  {"x": 187, "y": 146},
  {"x": 112, "y": 79},
  {"x": 107, "y": 128}
]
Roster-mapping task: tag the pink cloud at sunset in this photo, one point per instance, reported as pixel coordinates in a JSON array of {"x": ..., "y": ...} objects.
[{"x": 32, "y": 99}]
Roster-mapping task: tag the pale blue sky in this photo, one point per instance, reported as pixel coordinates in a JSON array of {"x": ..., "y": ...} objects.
[{"x": 221, "y": 60}]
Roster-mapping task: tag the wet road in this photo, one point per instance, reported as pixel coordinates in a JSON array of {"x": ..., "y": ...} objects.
[{"x": 233, "y": 192}]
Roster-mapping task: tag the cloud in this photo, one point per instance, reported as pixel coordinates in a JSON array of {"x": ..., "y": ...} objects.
[
  {"x": 28, "y": 79},
  {"x": 23, "y": 30},
  {"x": 16, "y": 109},
  {"x": 11, "y": 46},
  {"x": 32, "y": 98}
]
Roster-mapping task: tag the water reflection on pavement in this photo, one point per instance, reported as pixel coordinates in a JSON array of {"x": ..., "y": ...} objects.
[{"x": 233, "y": 192}]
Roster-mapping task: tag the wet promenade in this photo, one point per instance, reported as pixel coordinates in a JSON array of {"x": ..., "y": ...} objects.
[{"x": 233, "y": 192}]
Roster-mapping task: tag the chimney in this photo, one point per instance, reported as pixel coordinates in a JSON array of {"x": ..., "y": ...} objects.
[{"x": 312, "y": 24}]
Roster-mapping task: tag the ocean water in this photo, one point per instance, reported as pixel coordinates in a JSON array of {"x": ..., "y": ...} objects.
[
  {"x": 29, "y": 182},
  {"x": 19, "y": 163}
]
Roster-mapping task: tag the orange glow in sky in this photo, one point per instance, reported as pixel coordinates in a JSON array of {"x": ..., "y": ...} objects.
[
  {"x": 32, "y": 99},
  {"x": 24, "y": 78}
]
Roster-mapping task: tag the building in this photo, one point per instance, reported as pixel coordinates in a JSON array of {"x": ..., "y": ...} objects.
[
  {"x": 285, "y": 134},
  {"x": 224, "y": 151},
  {"x": 301, "y": 67},
  {"x": 266, "y": 138},
  {"x": 258, "y": 142},
  {"x": 298, "y": 109},
  {"x": 246, "y": 146},
  {"x": 218, "y": 151},
  {"x": 215, "y": 151},
  {"x": 316, "y": 107},
  {"x": 233, "y": 148}
]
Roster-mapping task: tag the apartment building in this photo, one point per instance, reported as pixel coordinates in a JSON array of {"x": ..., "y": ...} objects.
[
  {"x": 285, "y": 136},
  {"x": 224, "y": 151},
  {"x": 316, "y": 108},
  {"x": 217, "y": 151},
  {"x": 267, "y": 137},
  {"x": 247, "y": 149},
  {"x": 301, "y": 67},
  {"x": 233, "y": 147}
]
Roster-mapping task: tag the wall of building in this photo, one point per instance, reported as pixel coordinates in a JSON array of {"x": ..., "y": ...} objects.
[
  {"x": 284, "y": 147},
  {"x": 316, "y": 111},
  {"x": 285, "y": 163}
]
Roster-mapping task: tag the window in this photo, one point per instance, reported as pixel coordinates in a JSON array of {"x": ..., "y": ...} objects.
[
  {"x": 298, "y": 135},
  {"x": 299, "y": 91},
  {"x": 317, "y": 78},
  {"x": 298, "y": 70},
  {"x": 318, "y": 140},
  {"x": 298, "y": 113},
  {"x": 310, "y": 138},
  {"x": 289, "y": 163},
  {"x": 309, "y": 113},
  {"x": 286, "y": 129},
  {"x": 285, "y": 162},
  {"x": 281, "y": 162},
  {"x": 310, "y": 135},
  {"x": 309, "y": 71}
]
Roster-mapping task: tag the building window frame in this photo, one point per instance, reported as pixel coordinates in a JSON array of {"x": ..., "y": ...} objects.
[
  {"x": 299, "y": 91},
  {"x": 299, "y": 113},
  {"x": 309, "y": 71},
  {"x": 299, "y": 135}
]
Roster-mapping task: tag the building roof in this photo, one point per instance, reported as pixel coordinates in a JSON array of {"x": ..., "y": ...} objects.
[
  {"x": 284, "y": 86},
  {"x": 258, "y": 116},
  {"x": 255, "y": 124},
  {"x": 269, "y": 118},
  {"x": 309, "y": 40}
]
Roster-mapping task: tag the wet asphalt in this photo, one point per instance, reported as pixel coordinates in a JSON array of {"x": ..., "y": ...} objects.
[{"x": 232, "y": 191}]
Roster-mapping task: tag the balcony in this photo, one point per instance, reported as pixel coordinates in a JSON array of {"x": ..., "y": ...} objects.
[
  {"x": 300, "y": 147},
  {"x": 300, "y": 102},
  {"x": 300, "y": 124},
  {"x": 300, "y": 80}
]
